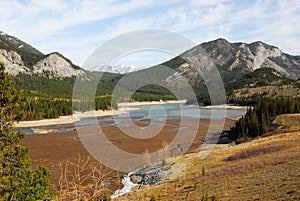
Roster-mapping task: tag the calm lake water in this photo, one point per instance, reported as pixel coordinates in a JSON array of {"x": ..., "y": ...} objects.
[{"x": 158, "y": 112}]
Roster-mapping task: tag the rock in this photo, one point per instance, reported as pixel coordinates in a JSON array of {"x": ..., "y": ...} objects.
[
  {"x": 13, "y": 62},
  {"x": 147, "y": 176},
  {"x": 56, "y": 66},
  {"x": 137, "y": 179},
  {"x": 225, "y": 139}
]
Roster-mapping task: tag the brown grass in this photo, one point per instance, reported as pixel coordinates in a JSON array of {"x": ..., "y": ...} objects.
[
  {"x": 287, "y": 123},
  {"x": 270, "y": 173},
  {"x": 252, "y": 152},
  {"x": 246, "y": 166}
]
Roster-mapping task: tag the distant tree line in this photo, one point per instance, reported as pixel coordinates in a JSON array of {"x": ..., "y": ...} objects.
[
  {"x": 35, "y": 108},
  {"x": 151, "y": 97},
  {"x": 34, "y": 85},
  {"x": 44, "y": 108},
  {"x": 100, "y": 103},
  {"x": 245, "y": 101},
  {"x": 258, "y": 119}
]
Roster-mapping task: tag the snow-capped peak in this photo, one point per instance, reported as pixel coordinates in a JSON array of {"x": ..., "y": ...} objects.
[{"x": 116, "y": 69}]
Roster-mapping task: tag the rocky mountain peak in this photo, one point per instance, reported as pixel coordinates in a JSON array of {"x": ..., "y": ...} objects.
[
  {"x": 220, "y": 50},
  {"x": 13, "y": 62},
  {"x": 243, "y": 57},
  {"x": 220, "y": 41},
  {"x": 119, "y": 69},
  {"x": 55, "y": 65},
  {"x": 21, "y": 58},
  {"x": 234, "y": 60}
]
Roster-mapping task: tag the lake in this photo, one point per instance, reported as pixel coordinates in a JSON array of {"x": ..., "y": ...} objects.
[{"x": 157, "y": 112}]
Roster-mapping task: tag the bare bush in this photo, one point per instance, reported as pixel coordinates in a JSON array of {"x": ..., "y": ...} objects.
[
  {"x": 164, "y": 152},
  {"x": 147, "y": 158},
  {"x": 81, "y": 180}
]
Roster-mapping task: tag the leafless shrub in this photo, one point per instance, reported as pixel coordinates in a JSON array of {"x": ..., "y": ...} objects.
[
  {"x": 164, "y": 152},
  {"x": 147, "y": 158},
  {"x": 81, "y": 180}
]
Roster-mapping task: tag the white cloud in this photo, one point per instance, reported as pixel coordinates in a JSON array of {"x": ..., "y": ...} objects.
[
  {"x": 203, "y": 3},
  {"x": 77, "y": 27},
  {"x": 275, "y": 22},
  {"x": 44, "y": 19}
]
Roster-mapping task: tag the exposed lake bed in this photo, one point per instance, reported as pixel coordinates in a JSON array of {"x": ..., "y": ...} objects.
[{"x": 53, "y": 144}]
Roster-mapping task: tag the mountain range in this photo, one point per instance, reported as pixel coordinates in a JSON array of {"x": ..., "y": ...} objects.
[
  {"x": 119, "y": 69},
  {"x": 233, "y": 60}
]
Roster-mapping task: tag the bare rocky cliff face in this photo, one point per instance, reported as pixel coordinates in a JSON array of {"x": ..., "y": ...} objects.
[
  {"x": 250, "y": 57},
  {"x": 234, "y": 60},
  {"x": 52, "y": 66},
  {"x": 55, "y": 66},
  {"x": 13, "y": 62},
  {"x": 21, "y": 58}
]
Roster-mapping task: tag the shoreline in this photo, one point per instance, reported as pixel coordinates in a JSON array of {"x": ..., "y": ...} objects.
[
  {"x": 225, "y": 106},
  {"x": 71, "y": 118},
  {"x": 137, "y": 103},
  {"x": 123, "y": 108}
]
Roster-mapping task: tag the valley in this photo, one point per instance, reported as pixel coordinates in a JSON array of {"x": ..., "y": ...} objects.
[
  {"x": 256, "y": 153},
  {"x": 240, "y": 65}
]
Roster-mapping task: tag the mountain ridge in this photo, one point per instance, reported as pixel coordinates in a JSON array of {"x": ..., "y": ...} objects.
[
  {"x": 233, "y": 60},
  {"x": 120, "y": 69},
  {"x": 21, "y": 58},
  {"x": 238, "y": 57}
]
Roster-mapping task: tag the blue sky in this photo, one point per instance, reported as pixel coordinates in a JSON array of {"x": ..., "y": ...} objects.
[{"x": 76, "y": 28}]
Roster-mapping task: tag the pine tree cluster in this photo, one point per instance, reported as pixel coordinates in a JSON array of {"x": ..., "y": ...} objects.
[{"x": 259, "y": 118}]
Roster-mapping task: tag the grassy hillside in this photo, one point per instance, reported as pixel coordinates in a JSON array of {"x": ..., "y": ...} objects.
[{"x": 264, "y": 169}]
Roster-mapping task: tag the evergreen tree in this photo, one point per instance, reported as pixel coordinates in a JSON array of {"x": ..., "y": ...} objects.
[
  {"x": 257, "y": 121},
  {"x": 17, "y": 179}
]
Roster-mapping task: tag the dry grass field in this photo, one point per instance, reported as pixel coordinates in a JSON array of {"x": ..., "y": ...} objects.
[{"x": 267, "y": 168}]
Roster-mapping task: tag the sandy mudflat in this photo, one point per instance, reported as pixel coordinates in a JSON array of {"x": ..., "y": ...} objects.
[
  {"x": 71, "y": 118},
  {"x": 226, "y": 106},
  {"x": 55, "y": 147},
  {"x": 46, "y": 122}
]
